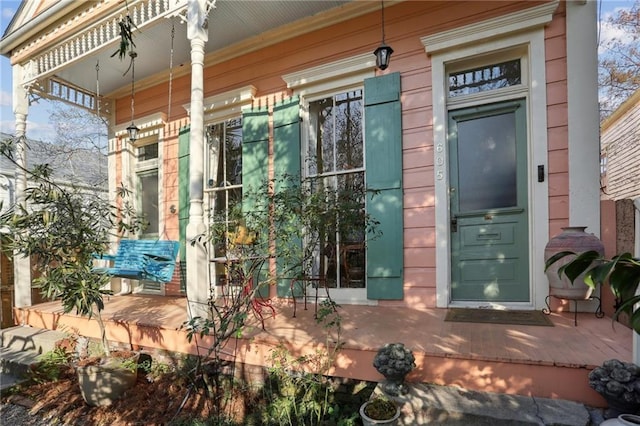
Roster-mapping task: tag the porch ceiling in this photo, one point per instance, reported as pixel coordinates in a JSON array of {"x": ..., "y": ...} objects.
[{"x": 235, "y": 27}]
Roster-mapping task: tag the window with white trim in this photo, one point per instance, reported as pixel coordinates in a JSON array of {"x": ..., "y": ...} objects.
[
  {"x": 224, "y": 176},
  {"x": 147, "y": 186},
  {"x": 334, "y": 159}
]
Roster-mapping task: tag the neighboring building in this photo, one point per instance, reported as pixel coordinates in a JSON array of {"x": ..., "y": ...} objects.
[
  {"x": 620, "y": 146},
  {"x": 620, "y": 177},
  {"x": 481, "y": 136},
  {"x": 85, "y": 170}
]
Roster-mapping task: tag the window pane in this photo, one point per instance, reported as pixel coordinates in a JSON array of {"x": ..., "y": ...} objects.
[
  {"x": 336, "y": 149},
  {"x": 148, "y": 152},
  {"x": 487, "y": 163},
  {"x": 481, "y": 79},
  {"x": 149, "y": 201},
  {"x": 225, "y": 178},
  {"x": 321, "y": 144},
  {"x": 348, "y": 119},
  {"x": 336, "y": 138},
  {"x": 233, "y": 152},
  {"x": 224, "y": 201},
  {"x": 225, "y": 153}
]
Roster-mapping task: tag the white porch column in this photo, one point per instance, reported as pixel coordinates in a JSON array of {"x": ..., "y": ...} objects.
[
  {"x": 21, "y": 264},
  {"x": 197, "y": 261},
  {"x": 583, "y": 116}
]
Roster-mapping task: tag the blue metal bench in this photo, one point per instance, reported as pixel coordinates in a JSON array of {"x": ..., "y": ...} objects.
[{"x": 152, "y": 260}]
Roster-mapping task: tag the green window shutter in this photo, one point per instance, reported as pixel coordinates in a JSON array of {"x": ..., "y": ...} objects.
[
  {"x": 255, "y": 152},
  {"x": 183, "y": 200},
  {"x": 383, "y": 141},
  {"x": 286, "y": 162}
]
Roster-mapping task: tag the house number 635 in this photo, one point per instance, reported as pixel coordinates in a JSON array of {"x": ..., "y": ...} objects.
[{"x": 439, "y": 161}]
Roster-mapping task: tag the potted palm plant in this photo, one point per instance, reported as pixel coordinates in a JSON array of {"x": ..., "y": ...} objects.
[
  {"x": 616, "y": 381},
  {"x": 621, "y": 272}
]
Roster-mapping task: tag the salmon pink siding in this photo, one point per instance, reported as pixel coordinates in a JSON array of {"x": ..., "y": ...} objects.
[
  {"x": 406, "y": 23},
  {"x": 170, "y": 184},
  {"x": 557, "y": 121}
]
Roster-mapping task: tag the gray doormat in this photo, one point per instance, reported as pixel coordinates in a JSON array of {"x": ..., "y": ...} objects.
[{"x": 493, "y": 316}]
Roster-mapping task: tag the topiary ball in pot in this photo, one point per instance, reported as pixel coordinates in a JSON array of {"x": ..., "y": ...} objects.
[
  {"x": 394, "y": 361},
  {"x": 619, "y": 384}
]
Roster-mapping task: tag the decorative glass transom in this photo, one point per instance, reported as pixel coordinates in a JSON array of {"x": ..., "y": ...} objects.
[
  {"x": 148, "y": 152},
  {"x": 490, "y": 77}
]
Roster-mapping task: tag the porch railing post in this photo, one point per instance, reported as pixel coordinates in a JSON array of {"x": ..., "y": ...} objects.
[
  {"x": 21, "y": 264},
  {"x": 197, "y": 259}
]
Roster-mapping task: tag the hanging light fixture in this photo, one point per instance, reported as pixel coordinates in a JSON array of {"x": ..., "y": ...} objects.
[
  {"x": 133, "y": 129},
  {"x": 383, "y": 52}
]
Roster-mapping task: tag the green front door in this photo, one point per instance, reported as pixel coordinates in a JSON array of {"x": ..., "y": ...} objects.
[{"x": 489, "y": 228}]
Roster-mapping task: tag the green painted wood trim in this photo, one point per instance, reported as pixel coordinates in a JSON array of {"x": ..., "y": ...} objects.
[
  {"x": 255, "y": 151},
  {"x": 517, "y": 219},
  {"x": 255, "y": 161},
  {"x": 286, "y": 162},
  {"x": 183, "y": 201},
  {"x": 383, "y": 153}
]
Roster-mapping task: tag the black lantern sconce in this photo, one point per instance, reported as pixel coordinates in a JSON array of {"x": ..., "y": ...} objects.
[
  {"x": 133, "y": 129},
  {"x": 383, "y": 52},
  {"x": 133, "y": 132}
]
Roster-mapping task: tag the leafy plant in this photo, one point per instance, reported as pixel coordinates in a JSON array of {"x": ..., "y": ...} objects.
[
  {"x": 50, "y": 365},
  {"x": 287, "y": 219},
  {"x": 309, "y": 216},
  {"x": 621, "y": 272},
  {"x": 130, "y": 364},
  {"x": 380, "y": 408},
  {"x": 301, "y": 391},
  {"x": 126, "y": 26},
  {"x": 62, "y": 228}
]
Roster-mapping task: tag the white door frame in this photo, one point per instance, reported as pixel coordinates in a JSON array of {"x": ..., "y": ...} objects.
[{"x": 520, "y": 30}]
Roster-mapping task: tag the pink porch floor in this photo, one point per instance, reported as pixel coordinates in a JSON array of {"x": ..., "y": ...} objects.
[{"x": 550, "y": 362}]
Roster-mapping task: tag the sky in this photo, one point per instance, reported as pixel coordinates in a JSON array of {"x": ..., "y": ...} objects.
[{"x": 39, "y": 128}]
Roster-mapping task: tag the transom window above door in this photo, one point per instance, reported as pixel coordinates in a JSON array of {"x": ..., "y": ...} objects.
[
  {"x": 484, "y": 78},
  {"x": 148, "y": 152}
]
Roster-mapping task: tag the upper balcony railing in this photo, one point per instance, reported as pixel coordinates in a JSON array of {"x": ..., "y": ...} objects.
[{"x": 92, "y": 38}]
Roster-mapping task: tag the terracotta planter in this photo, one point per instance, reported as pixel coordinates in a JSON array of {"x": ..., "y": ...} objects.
[
  {"x": 100, "y": 385},
  {"x": 368, "y": 421},
  {"x": 572, "y": 238}
]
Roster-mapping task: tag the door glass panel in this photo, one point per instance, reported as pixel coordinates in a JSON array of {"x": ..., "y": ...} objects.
[
  {"x": 149, "y": 198},
  {"x": 487, "y": 163}
]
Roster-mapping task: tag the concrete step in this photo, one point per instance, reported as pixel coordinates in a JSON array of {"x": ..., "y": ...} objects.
[
  {"x": 22, "y": 338},
  {"x": 17, "y": 363},
  {"x": 20, "y": 347},
  {"x": 427, "y": 404},
  {"x": 8, "y": 381}
]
